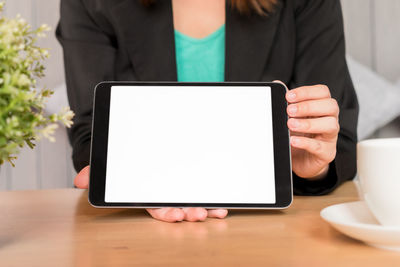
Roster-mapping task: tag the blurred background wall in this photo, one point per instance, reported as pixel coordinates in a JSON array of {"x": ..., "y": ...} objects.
[
  {"x": 373, "y": 39},
  {"x": 373, "y": 34}
]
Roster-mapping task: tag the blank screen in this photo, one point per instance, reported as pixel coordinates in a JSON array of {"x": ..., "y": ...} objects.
[{"x": 190, "y": 144}]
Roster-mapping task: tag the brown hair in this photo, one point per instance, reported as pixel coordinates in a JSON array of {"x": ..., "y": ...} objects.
[{"x": 261, "y": 7}]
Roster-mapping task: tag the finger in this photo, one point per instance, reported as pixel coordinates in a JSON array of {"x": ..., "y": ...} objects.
[
  {"x": 167, "y": 214},
  {"x": 325, "y": 125},
  {"x": 195, "y": 214},
  {"x": 308, "y": 93},
  {"x": 322, "y": 150},
  {"x": 217, "y": 213},
  {"x": 314, "y": 108},
  {"x": 82, "y": 178}
]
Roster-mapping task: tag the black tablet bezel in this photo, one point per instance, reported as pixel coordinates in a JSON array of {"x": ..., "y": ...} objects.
[{"x": 99, "y": 144}]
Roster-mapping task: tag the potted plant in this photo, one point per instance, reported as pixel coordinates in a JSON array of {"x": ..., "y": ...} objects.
[{"x": 22, "y": 118}]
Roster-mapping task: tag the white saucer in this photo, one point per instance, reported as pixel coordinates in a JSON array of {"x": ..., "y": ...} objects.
[{"x": 355, "y": 220}]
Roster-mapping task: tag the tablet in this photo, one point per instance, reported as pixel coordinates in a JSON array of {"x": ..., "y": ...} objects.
[{"x": 212, "y": 145}]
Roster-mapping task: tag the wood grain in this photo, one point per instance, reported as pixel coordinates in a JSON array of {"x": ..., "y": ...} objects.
[{"x": 60, "y": 228}]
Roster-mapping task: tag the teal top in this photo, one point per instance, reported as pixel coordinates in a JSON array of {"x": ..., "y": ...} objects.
[{"x": 200, "y": 60}]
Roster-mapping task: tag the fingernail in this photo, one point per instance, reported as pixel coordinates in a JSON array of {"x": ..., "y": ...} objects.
[
  {"x": 292, "y": 109},
  {"x": 291, "y": 96}
]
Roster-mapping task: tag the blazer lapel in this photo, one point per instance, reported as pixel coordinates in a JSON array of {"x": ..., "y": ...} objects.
[
  {"x": 248, "y": 44},
  {"x": 148, "y": 34}
]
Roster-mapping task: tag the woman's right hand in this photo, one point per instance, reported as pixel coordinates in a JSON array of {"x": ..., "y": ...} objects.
[{"x": 163, "y": 214}]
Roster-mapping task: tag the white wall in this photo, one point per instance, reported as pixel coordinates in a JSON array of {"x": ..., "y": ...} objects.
[
  {"x": 373, "y": 38},
  {"x": 373, "y": 34}
]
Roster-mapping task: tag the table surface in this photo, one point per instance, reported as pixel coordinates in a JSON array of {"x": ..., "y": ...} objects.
[{"x": 60, "y": 228}]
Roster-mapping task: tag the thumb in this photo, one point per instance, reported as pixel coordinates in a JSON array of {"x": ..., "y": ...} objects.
[{"x": 82, "y": 178}]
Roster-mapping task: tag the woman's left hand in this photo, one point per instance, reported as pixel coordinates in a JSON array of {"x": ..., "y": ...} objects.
[{"x": 314, "y": 128}]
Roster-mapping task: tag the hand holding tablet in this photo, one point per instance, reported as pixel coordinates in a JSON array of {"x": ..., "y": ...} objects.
[
  {"x": 327, "y": 110},
  {"x": 164, "y": 214},
  {"x": 314, "y": 126}
]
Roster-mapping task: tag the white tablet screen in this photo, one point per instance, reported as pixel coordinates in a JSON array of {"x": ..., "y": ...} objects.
[{"x": 190, "y": 144}]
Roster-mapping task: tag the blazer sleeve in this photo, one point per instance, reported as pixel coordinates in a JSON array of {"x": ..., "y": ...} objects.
[
  {"x": 320, "y": 59},
  {"x": 89, "y": 59}
]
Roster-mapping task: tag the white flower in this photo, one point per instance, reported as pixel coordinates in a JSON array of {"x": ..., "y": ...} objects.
[
  {"x": 44, "y": 28},
  {"x": 12, "y": 122},
  {"x": 22, "y": 60},
  {"x": 49, "y": 131},
  {"x": 24, "y": 80},
  {"x": 66, "y": 117},
  {"x": 45, "y": 52},
  {"x": 21, "y": 21}
]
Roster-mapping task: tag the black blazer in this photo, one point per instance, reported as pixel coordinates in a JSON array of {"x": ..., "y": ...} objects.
[{"x": 301, "y": 43}]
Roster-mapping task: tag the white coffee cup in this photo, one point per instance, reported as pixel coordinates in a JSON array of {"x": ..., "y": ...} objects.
[{"x": 378, "y": 163}]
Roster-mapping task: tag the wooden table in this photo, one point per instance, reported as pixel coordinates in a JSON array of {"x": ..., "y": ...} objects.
[{"x": 59, "y": 228}]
